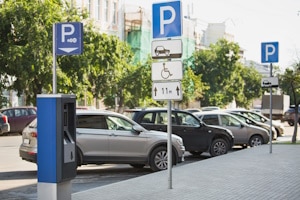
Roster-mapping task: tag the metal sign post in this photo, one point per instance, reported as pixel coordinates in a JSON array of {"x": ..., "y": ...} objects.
[
  {"x": 54, "y": 91},
  {"x": 269, "y": 54},
  {"x": 271, "y": 138},
  {"x": 67, "y": 40},
  {"x": 169, "y": 146},
  {"x": 167, "y": 75}
]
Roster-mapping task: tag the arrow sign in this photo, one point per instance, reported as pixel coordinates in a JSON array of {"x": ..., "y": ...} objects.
[{"x": 167, "y": 90}]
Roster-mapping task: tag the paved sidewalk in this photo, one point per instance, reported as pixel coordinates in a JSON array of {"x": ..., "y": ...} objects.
[{"x": 252, "y": 173}]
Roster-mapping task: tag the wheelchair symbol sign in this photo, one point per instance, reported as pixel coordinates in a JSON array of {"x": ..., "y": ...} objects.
[{"x": 171, "y": 70}]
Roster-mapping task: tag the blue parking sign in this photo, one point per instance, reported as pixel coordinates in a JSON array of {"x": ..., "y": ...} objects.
[
  {"x": 68, "y": 38},
  {"x": 269, "y": 52},
  {"x": 166, "y": 19}
]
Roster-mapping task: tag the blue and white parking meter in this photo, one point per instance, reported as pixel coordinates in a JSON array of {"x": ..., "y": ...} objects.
[{"x": 56, "y": 158}]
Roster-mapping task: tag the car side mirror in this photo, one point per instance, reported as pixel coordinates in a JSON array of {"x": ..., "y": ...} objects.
[{"x": 137, "y": 129}]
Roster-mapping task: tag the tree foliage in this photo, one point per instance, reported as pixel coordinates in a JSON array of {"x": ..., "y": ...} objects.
[
  {"x": 26, "y": 45},
  {"x": 102, "y": 71},
  {"x": 222, "y": 71}
]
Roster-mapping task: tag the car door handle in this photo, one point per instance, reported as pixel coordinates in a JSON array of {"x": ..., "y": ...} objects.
[{"x": 112, "y": 134}]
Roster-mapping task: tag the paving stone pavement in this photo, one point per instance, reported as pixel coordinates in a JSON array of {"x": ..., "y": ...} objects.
[{"x": 252, "y": 173}]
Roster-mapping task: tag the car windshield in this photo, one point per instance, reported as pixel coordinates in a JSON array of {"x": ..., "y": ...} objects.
[{"x": 256, "y": 117}]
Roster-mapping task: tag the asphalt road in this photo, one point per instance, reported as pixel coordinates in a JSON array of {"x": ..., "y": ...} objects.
[{"x": 18, "y": 178}]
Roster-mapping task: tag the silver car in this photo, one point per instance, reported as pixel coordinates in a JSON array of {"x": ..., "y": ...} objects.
[
  {"x": 244, "y": 134},
  {"x": 260, "y": 118},
  {"x": 108, "y": 137}
]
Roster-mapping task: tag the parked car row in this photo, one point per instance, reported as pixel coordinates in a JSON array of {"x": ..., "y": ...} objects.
[
  {"x": 244, "y": 134},
  {"x": 262, "y": 119},
  {"x": 197, "y": 136},
  {"x": 138, "y": 137}
]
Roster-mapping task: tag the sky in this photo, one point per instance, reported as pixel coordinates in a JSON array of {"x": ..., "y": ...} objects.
[{"x": 254, "y": 22}]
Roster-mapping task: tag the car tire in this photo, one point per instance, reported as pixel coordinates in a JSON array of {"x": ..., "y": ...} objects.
[
  {"x": 79, "y": 157},
  {"x": 255, "y": 140},
  {"x": 138, "y": 166},
  {"x": 291, "y": 123},
  {"x": 159, "y": 159},
  {"x": 218, "y": 147}
]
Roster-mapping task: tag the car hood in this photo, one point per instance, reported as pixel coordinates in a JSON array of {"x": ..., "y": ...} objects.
[
  {"x": 160, "y": 133},
  {"x": 220, "y": 128}
]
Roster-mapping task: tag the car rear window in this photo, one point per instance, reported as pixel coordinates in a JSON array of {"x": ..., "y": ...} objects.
[{"x": 211, "y": 119}]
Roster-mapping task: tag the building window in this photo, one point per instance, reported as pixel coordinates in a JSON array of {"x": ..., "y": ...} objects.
[
  {"x": 97, "y": 10},
  {"x": 115, "y": 13},
  {"x": 88, "y": 7},
  {"x": 106, "y": 10}
]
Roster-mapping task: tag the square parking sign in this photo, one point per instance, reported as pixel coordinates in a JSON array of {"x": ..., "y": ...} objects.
[
  {"x": 166, "y": 19},
  {"x": 269, "y": 52},
  {"x": 68, "y": 38}
]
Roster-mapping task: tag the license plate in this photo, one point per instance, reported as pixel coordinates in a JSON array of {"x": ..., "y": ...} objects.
[{"x": 26, "y": 141}]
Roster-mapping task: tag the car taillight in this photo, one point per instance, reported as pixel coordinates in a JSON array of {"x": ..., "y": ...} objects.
[
  {"x": 33, "y": 134},
  {"x": 4, "y": 118}
]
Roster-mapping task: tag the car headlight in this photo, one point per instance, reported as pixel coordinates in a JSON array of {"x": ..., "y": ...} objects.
[{"x": 179, "y": 141}]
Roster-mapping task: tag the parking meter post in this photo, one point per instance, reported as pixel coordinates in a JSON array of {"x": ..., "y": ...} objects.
[
  {"x": 56, "y": 156},
  {"x": 169, "y": 145},
  {"x": 271, "y": 137}
]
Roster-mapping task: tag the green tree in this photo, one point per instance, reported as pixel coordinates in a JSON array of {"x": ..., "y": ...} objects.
[
  {"x": 290, "y": 84},
  {"x": 251, "y": 86},
  {"x": 104, "y": 69},
  {"x": 192, "y": 86},
  {"x": 221, "y": 71},
  {"x": 26, "y": 45},
  {"x": 26, "y": 54}
]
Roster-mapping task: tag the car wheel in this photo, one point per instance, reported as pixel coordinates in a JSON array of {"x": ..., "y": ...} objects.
[
  {"x": 218, "y": 147},
  {"x": 291, "y": 123},
  {"x": 159, "y": 159},
  {"x": 255, "y": 140},
  {"x": 139, "y": 166},
  {"x": 196, "y": 153},
  {"x": 79, "y": 157}
]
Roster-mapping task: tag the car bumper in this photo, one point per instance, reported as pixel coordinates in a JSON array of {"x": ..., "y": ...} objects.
[
  {"x": 280, "y": 130},
  {"x": 4, "y": 128},
  {"x": 28, "y": 154}
]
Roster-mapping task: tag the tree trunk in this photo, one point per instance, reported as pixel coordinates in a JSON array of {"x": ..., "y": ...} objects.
[{"x": 294, "y": 138}]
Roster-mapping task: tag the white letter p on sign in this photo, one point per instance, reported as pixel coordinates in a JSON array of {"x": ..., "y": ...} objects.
[
  {"x": 163, "y": 21},
  {"x": 270, "y": 50},
  {"x": 64, "y": 32}
]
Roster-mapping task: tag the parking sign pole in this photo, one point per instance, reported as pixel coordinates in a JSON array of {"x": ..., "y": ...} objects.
[
  {"x": 54, "y": 61},
  {"x": 271, "y": 138},
  {"x": 169, "y": 145}
]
